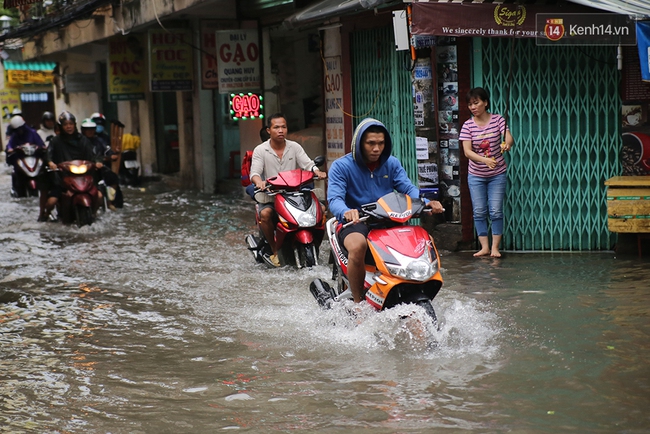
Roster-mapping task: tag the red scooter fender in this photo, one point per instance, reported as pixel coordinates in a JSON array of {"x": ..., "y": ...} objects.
[
  {"x": 304, "y": 236},
  {"x": 83, "y": 200},
  {"x": 32, "y": 184}
]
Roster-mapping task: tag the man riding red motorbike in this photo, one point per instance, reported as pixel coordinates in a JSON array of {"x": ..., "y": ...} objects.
[
  {"x": 68, "y": 146},
  {"x": 270, "y": 158}
]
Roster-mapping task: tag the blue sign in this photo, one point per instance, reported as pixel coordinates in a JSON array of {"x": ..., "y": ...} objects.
[{"x": 643, "y": 41}]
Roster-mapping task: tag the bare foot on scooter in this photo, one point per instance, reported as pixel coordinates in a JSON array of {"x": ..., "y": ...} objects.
[{"x": 482, "y": 252}]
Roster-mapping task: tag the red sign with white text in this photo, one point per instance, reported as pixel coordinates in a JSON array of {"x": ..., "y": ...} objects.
[{"x": 244, "y": 106}]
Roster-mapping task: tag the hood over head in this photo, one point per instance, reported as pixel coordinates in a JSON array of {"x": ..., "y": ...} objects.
[{"x": 357, "y": 151}]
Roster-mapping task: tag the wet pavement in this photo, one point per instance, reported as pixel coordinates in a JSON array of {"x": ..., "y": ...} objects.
[{"x": 156, "y": 319}]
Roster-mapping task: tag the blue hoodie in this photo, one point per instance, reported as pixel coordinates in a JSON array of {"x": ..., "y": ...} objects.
[{"x": 352, "y": 184}]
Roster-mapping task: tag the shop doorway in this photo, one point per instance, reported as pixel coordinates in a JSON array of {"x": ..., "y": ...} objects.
[
  {"x": 33, "y": 104},
  {"x": 166, "y": 125}
]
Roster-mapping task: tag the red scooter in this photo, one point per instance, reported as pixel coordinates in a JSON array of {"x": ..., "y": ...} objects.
[
  {"x": 404, "y": 267},
  {"x": 80, "y": 195},
  {"x": 301, "y": 221}
]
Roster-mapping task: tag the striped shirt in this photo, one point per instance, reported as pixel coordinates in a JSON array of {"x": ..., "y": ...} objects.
[{"x": 486, "y": 142}]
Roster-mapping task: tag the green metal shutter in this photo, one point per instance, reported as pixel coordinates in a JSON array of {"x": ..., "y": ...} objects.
[
  {"x": 564, "y": 116},
  {"x": 381, "y": 89}
]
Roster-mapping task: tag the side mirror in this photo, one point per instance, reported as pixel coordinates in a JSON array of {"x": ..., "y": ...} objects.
[{"x": 319, "y": 161}]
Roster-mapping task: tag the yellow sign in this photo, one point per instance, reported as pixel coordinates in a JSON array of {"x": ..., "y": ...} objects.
[
  {"x": 127, "y": 71},
  {"x": 23, "y": 76},
  {"x": 170, "y": 54},
  {"x": 9, "y": 101}
]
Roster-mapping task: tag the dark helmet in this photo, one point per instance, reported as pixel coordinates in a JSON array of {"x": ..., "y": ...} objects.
[
  {"x": 48, "y": 116},
  {"x": 98, "y": 118},
  {"x": 67, "y": 116}
]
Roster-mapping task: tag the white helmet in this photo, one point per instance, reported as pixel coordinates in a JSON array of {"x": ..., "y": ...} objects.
[
  {"x": 88, "y": 123},
  {"x": 17, "y": 122}
]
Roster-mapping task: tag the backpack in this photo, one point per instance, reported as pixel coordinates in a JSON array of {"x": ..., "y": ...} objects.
[{"x": 246, "y": 168}]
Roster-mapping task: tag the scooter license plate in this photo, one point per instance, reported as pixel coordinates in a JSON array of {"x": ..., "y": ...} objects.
[{"x": 131, "y": 164}]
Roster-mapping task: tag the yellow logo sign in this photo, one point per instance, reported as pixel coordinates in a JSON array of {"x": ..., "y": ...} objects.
[{"x": 509, "y": 15}]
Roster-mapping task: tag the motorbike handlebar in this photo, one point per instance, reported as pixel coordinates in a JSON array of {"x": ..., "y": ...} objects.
[{"x": 361, "y": 219}]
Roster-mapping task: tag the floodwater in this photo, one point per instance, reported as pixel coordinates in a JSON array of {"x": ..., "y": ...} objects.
[{"x": 157, "y": 320}]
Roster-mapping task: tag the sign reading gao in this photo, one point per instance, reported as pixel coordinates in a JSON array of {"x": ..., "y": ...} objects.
[
  {"x": 238, "y": 56},
  {"x": 246, "y": 106}
]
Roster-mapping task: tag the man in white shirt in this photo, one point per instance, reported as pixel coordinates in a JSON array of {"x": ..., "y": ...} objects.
[{"x": 270, "y": 158}]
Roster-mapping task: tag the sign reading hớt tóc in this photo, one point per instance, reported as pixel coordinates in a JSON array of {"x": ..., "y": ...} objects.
[
  {"x": 126, "y": 68},
  {"x": 171, "y": 66}
]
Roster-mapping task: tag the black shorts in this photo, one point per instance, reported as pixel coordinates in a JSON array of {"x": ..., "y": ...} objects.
[
  {"x": 359, "y": 228},
  {"x": 262, "y": 206}
]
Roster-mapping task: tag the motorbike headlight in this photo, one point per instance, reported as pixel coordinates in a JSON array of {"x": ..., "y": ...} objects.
[
  {"x": 79, "y": 170},
  {"x": 420, "y": 269},
  {"x": 29, "y": 149},
  {"x": 306, "y": 220}
]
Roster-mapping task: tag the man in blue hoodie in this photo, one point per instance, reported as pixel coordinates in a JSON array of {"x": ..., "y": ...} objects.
[{"x": 360, "y": 177}]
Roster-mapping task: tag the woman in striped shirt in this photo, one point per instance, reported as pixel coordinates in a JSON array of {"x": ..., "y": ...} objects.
[{"x": 485, "y": 138}]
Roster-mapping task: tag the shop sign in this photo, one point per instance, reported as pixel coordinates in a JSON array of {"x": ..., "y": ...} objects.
[
  {"x": 9, "y": 101},
  {"x": 23, "y": 76},
  {"x": 170, "y": 60},
  {"x": 246, "y": 106},
  {"x": 484, "y": 19},
  {"x": 209, "y": 64},
  {"x": 334, "y": 127},
  {"x": 75, "y": 83},
  {"x": 238, "y": 56},
  {"x": 127, "y": 73}
]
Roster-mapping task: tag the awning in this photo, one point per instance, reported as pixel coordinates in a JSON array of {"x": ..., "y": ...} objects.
[
  {"x": 493, "y": 19},
  {"x": 327, "y": 9},
  {"x": 29, "y": 66},
  {"x": 625, "y": 7}
]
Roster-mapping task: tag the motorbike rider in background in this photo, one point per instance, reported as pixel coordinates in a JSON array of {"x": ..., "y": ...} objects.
[
  {"x": 48, "y": 127},
  {"x": 100, "y": 120},
  {"x": 15, "y": 112},
  {"x": 89, "y": 130},
  {"x": 22, "y": 134},
  {"x": 270, "y": 158},
  {"x": 67, "y": 146},
  {"x": 360, "y": 177}
]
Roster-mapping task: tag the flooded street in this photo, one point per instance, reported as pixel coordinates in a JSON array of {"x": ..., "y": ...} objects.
[{"x": 156, "y": 319}]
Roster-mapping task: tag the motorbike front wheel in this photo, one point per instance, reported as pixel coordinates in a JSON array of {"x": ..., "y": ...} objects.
[
  {"x": 428, "y": 308},
  {"x": 83, "y": 215},
  {"x": 307, "y": 256}
]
